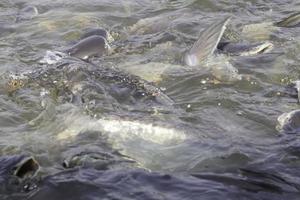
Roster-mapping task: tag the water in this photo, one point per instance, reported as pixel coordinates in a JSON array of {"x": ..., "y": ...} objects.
[{"x": 218, "y": 140}]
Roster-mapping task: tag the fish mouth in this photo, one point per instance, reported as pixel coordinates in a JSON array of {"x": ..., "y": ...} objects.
[{"x": 27, "y": 167}]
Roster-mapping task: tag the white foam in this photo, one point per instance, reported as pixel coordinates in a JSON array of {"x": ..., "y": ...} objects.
[{"x": 52, "y": 57}]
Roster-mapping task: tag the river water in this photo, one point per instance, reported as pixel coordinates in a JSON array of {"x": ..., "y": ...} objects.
[{"x": 217, "y": 141}]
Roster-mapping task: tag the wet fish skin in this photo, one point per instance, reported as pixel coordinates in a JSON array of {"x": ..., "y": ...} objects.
[
  {"x": 16, "y": 173},
  {"x": 18, "y": 165},
  {"x": 139, "y": 88},
  {"x": 290, "y": 21},
  {"x": 207, "y": 43},
  {"x": 27, "y": 13},
  {"x": 95, "y": 159},
  {"x": 94, "y": 45},
  {"x": 202, "y": 54},
  {"x": 76, "y": 79},
  {"x": 289, "y": 122},
  {"x": 245, "y": 49}
]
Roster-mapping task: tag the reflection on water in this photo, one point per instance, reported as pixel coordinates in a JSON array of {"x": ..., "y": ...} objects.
[{"x": 98, "y": 131}]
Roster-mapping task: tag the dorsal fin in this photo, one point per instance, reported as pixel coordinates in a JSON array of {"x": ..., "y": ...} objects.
[{"x": 206, "y": 44}]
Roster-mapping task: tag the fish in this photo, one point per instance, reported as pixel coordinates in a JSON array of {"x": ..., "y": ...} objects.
[
  {"x": 263, "y": 30},
  {"x": 207, "y": 43},
  {"x": 245, "y": 49},
  {"x": 289, "y": 22},
  {"x": 211, "y": 51},
  {"x": 75, "y": 77},
  {"x": 88, "y": 47},
  {"x": 289, "y": 122},
  {"x": 16, "y": 169},
  {"x": 93, "y": 43},
  {"x": 121, "y": 106},
  {"x": 27, "y": 13},
  {"x": 208, "y": 51}
]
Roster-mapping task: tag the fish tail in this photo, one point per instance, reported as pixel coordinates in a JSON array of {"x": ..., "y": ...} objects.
[{"x": 207, "y": 43}]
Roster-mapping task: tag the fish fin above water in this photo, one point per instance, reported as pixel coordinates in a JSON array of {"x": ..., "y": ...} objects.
[
  {"x": 207, "y": 43},
  {"x": 290, "y": 21}
]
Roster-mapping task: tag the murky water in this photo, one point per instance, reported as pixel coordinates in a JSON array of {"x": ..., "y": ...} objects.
[{"x": 218, "y": 140}]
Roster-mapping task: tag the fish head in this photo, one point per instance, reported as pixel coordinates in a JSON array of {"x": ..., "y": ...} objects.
[
  {"x": 19, "y": 166},
  {"x": 17, "y": 173},
  {"x": 289, "y": 122}
]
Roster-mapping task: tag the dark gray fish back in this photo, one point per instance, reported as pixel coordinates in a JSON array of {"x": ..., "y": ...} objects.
[{"x": 91, "y": 46}]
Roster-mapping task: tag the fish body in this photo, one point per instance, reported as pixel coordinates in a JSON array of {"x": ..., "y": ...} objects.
[
  {"x": 73, "y": 80},
  {"x": 289, "y": 22}
]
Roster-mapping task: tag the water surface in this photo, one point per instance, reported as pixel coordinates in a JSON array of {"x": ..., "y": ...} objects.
[{"x": 218, "y": 140}]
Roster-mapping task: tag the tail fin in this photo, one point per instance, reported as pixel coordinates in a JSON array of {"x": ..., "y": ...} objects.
[
  {"x": 290, "y": 21},
  {"x": 206, "y": 44}
]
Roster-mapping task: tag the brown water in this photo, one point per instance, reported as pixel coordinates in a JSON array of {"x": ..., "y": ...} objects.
[{"x": 219, "y": 140}]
